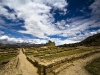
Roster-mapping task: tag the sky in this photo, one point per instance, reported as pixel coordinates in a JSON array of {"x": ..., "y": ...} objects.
[{"x": 37, "y": 21}]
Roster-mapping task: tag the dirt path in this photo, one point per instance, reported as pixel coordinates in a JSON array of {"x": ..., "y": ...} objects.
[
  {"x": 77, "y": 67},
  {"x": 19, "y": 66},
  {"x": 25, "y": 67}
]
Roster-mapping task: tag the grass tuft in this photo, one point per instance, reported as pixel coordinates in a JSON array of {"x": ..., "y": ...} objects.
[{"x": 94, "y": 67}]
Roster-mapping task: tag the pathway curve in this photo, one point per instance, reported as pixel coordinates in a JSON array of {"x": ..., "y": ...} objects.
[{"x": 78, "y": 66}]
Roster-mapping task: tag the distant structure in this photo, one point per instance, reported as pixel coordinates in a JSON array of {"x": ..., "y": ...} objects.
[{"x": 50, "y": 43}]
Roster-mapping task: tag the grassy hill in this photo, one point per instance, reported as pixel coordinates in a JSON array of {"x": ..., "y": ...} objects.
[{"x": 93, "y": 40}]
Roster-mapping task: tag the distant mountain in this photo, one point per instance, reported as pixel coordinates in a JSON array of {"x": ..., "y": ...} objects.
[{"x": 16, "y": 45}]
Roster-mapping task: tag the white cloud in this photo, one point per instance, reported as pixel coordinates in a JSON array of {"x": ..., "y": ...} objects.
[
  {"x": 95, "y": 9},
  {"x": 94, "y": 32},
  {"x": 36, "y": 14},
  {"x": 2, "y": 10},
  {"x": 5, "y": 13},
  {"x": 6, "y": 39},
  {"x": 39, "y": 22},
  {"x": 55, "y": 3},
  {"x": 98, "y": 31},
  {"x": 62, "y": 25},
  {"x": 59, "y": 41}
]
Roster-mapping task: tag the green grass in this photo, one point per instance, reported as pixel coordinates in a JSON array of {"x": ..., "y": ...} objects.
[
  {"x": 55, "y": 52},
  {"x": 7, "y": 54},
  {"x": 66, "y": 53},
  {"x": 5, "y": 57},
  {"x": 94, "y": 67}
]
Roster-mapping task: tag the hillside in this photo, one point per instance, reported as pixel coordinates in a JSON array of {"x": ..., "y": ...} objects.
[{"x": 92, "y": 40}]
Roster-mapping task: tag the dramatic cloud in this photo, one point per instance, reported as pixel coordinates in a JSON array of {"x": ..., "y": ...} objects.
[
  {"x": 95, "y": 8},
  {"x": 36, "y": 14},
  {"x": 39, "y": 22}
]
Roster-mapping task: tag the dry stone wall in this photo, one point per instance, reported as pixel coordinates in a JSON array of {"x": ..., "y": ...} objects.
[{"x": 49, "y": 67}]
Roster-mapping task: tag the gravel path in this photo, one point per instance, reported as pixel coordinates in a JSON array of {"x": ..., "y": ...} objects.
[{"x": 78, "y": 66}]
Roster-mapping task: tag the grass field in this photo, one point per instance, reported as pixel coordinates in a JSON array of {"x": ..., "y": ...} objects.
[
  {"x": 56, "y": 52},
  {"x": 94, "y": 67},
  {"x": 66, "y": 53},
  {"x": 5, "y": 57},
  {"x": 7, "y": 54}
]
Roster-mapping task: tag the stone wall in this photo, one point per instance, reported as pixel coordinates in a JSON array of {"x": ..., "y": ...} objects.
[{"x": 49, "y": 67}]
